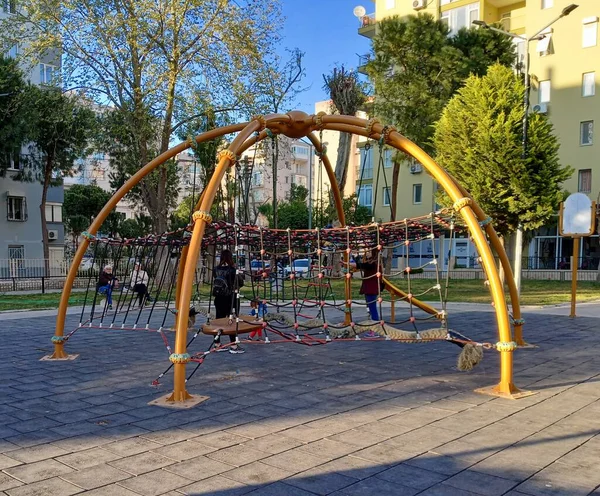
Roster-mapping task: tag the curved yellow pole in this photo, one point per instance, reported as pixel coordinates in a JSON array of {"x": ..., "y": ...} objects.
[
  {"x": 462, "y": 204},
  {"x": 510, "y": 279},
  {"x": 200, "y": 218},
  {"x": 58, "y": 338}
]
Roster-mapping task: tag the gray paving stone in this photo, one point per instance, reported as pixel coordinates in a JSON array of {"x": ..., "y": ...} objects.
[
  {"x": 446, "y": 490},
  {"x": 411, "y": 476},
  {"x": 132, "y": 446},
  {"x": 199, "y": 468},
  {"x": 183, "y": 450},
  {"x": 8, "y": 461},
  {"x": 479, "y": 483},
  {"x": 167, "y": 436},
  {"x": 295, "y": 460},
  {"x": 142, "y": 463},
  {"x": 87, "y": 458},
  {"x": 37, "y": 471},
  {"x": 8, "y": 482},
  {"x": 257, "y": 473},
  {"x": 440, "y": 464},
  {"x": 216, "y": 485},
  {"x": 48, "y": 487},
  {"x": 320, "y": 482},
  {"x": 111, "y": 490},
  {"x": 376, "y": 487},
  {"x": 237, "y": 455},
  {"x": 220, "y": 439},
  {"x": 329, "y": 448},
  {"x": 80, "y": 443},
  {"x": 382, "y": 453},
  {"x": 155, "y": 483},
  {"x": 279, "y": 489},
  {"x": 96, "y": 476}
]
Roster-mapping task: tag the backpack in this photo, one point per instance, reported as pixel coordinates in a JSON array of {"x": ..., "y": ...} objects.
[{"x": 221, "y": 284}]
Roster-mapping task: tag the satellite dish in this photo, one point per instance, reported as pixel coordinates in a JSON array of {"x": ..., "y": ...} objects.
[{"x": 359, "y": 11}]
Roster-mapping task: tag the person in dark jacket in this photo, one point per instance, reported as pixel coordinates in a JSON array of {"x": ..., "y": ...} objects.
[
  {"x": 370, "y": 286},
  {"x": 106, "y": 283},
  {"x": 225, "y": 283}
]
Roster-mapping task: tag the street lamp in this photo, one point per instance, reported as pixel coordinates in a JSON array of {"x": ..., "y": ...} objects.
[{"x": 537, "y": 36}]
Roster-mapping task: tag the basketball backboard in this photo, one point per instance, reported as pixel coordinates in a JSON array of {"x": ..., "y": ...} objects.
[{"x": 577, "y": 216}]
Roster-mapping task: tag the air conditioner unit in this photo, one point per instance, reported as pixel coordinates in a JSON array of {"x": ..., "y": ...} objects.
[
  {"x": 416, "y": 168},
  {"x": 540, "y": 108},
  {"x": 419, "y": 4},
  {"x": 52, "y": 234}
]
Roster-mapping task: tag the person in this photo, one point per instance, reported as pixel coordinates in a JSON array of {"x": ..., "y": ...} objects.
[
  {"x": 259, "y": 310},
  {"x": 139, "y": 283},
  {"x": 106, "y": 283},
  {"x": 370, "y": 286},
  {"x": 225, "y": 282}
]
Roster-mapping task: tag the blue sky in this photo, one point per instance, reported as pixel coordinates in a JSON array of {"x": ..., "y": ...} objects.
[{"x": 327, "y": 31}]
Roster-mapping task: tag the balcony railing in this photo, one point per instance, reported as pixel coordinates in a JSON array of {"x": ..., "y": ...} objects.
[
  {"x": 367, "y": 20},
  {"x": 364, "y": 59}
]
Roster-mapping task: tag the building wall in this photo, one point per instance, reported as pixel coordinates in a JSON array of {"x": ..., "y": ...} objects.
[{"x": 28, "y": 234}]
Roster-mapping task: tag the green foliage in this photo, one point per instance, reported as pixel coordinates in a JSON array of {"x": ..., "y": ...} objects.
[
  {"x": 298, "y": 193},
  {"x": 131, "y": 228},
  {"x": 355, "y": 214},
  {"x": 81, "y": 204},
  {"x": 14, "y": 127},
  {"x": 416, "y": 67},
  {"x": 182, "y": 215},
  {"x": 266, "y": 209},
  {"x": 293, "y": 214},
  {"x": 478, "y": 140},
  {"x": 157, "y": 64}
]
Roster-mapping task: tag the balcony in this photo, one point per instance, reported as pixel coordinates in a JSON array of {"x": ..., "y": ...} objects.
[
  {"x": 299, "y": 180},
  {"x": 367, "y": 25},
  {"x": 363, "y": 60}
]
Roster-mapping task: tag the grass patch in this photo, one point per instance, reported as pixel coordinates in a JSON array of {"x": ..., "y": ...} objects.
[{"x": 466, "y": 291}]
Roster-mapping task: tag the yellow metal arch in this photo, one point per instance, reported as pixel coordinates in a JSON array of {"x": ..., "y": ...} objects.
[{"x": 297, "y": 124}]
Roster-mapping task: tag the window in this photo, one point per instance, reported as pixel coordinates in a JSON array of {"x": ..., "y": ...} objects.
[
  {"x": 390, "y": 4},
  {"x": 366, "y": 164},
  {"x": 13, "y": 53},
  {"x": 257, "y": 179},
  {"x": 15, "y": 162},
  {"x": 588, "y": 86},
  {"x": 53, "y": 212},
  {"x": 590, "y": 32},
  {"x": 16, "y": 208},
  {"x": 46, "y": 73},
  {"x": 417, "y": 194},
  {"x": 547, "y": 4},
  {"x": 461, "y": 17},
  {"x": 544, "y": 46},
  {"x": 100, "y": 175},
  {"x": 387, "y": 199},
  {"x": 584, "y": 183},
  {"x": 365, "y": 195},
  {"x": 387, "y": 158},
  {"x": 300, "y": 150},
  {"x": 544, "y": 91},
  {"x": 586, "y": 133},
  {"x": 9, "y": 6}
]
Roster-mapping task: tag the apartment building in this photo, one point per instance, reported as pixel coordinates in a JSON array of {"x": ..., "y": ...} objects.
[
  {"x": 295, "y": 166},
  {"x": 21, "y": 249},
  {"x": 565, "y": 72}
]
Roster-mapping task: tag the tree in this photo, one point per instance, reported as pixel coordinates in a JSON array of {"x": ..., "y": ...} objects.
[
  {"x": 417, "y": 66},
  {"x": 278, "y": 89},
  {"x": 348, "y": 95},
  {"x": 59, "y": 135},
  {"x": 13, "y": 119},
  {"x": 478, "y": 140},
  {"x": 80, "y": 205},
  {"x": 159, "y": 63}
]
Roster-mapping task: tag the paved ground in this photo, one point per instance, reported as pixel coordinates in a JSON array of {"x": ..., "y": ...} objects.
[{"x": 348, "y": 418}]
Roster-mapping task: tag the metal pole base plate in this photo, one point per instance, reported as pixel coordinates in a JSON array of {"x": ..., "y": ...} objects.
[
  {"x": 190, "y": 402},
  {"x": 512, "y": 395},
  {"x": 51, "y": 358}
]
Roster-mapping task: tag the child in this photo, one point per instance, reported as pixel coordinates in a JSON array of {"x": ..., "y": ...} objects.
[{"x": 259, "y": 310}]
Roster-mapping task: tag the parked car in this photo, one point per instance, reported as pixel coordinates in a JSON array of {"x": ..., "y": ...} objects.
[
  {"x": 300, "y": 267},
  {"x": 257, "y": 267}
]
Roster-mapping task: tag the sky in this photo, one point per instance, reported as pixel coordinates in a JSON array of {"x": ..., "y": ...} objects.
[{"x": 327, "y": 31}]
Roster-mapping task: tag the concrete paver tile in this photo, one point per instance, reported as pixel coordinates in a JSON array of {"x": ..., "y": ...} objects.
[
  {"x": 319, "y": 482},
  {"x": 96, "y": 476},
  {"x": 8, "y": 482},
  {"x": 215, "y": 485},
  {"x": 376, "y": 487},
  {"x": 295, "y": 460},
  {"x": 88, "y": 458},
  {"x": 155, "y": 483},
  {"x": 411, "y": 476},
  {"x": 183, "y": 450},
  {"x": 222, "y": 439},
  {"x": 142, "y": 463},
  {"x": 257, "y": 473},
  {"x": 132, "y": 446},
  {"x": 273, "y": 444},
  {"x": 279, "y": 489},
  {"x": 199, "y": 468},
  {"x": 479, "y": 483},
  {"x": 49, "y": 487},
  {"x": 37, "y": 471}
]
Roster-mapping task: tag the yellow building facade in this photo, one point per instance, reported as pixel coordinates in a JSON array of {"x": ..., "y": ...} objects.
[{"x": 565, "y": 79}]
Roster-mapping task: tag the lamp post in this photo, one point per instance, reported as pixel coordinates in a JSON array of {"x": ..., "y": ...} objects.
[{"x": 537, "y": 36}]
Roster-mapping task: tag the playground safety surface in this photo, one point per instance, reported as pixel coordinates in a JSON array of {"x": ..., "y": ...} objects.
[{"x": 350, "y": 418}]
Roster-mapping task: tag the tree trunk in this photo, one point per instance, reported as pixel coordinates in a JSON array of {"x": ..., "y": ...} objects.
[
  {"x": 45, "y": 186},
  {"x": 343, "y": 158},
  {"x": 394, "y": 205}
]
